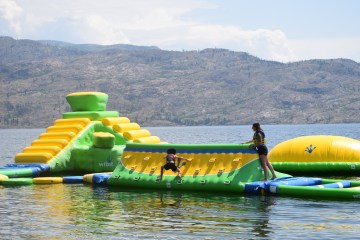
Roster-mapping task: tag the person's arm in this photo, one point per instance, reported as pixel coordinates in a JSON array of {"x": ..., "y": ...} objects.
[
  {"x": 183, "y": 158},
  {"x": 252, "y": 145}
]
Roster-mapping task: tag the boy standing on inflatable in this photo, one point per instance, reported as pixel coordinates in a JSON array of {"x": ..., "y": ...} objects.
[
  {"x": 170, "y": 163},
  {"x": 258, "y": 142}
]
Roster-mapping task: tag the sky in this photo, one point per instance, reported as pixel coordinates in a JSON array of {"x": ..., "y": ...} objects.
[{"x": 277, "y": 30}]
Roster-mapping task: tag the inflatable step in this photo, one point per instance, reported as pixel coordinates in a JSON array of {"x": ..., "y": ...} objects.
[
  {"x": 151, "y": 139},
  {"x": 61, "y": 143},
  {"x": 57, "y": 135},
  {"x": 134, "y": 134},
  {"x": 75, "y": 128},
  {"x": 33, "y": 157},
  {"x": 123, "y": 127},
  {"x": 111, "y": 121},
  {"x": 53, "y": 150},
  {"x": 72, "y": 121}
]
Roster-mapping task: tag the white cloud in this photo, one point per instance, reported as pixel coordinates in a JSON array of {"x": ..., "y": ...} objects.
[
  {"x": 267, "y": 44},
  {"x": 326, "y": 48},
  {"x": 162, "y": 23},
  {"x": 10, "y": 13},
  {"x": 106, "y": 33}
]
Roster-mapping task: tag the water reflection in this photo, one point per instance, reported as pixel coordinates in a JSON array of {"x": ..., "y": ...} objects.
[
  {"x": 83, "y": 211},
  {"x": 193, "y": 212},
  {"x": 77, "y": 211},
  {"x": 172, "y": 202},
  {"x": 262, "y": 226}
]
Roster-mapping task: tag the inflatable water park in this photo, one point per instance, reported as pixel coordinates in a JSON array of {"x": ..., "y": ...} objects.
[{"x": 91, "y": 145}]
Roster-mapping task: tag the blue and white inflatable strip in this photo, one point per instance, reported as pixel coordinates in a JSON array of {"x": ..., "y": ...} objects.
[
  {"x": 272, "y": 185},
  {"x": 343, "y": 184},
  {"x": 294, "y": 181},
  {"x": 255, "y": 187}
]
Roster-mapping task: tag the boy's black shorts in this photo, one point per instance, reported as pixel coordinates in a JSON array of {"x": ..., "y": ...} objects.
[{"x": 171, "y": 166}]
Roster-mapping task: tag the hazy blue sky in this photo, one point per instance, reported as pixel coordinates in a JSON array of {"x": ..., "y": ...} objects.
[{"x": 281, "y": 30}]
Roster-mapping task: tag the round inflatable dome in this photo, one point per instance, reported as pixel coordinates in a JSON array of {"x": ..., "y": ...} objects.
[{"x": 320, "y": 148}]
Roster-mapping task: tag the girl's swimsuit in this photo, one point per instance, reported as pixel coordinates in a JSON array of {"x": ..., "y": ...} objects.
[{"x": 261, "y": 149}]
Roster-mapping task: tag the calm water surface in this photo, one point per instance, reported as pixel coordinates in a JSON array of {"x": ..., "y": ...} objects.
[{"x": 77, "y": 211}]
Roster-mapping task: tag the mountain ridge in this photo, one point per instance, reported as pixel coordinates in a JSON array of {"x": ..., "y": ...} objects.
[{"x": 161, "y": 88}]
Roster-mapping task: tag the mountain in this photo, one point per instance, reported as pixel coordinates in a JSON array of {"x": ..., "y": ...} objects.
[
  {"x": 94, "y": 47},
  {"x": 159, "y": 88}
]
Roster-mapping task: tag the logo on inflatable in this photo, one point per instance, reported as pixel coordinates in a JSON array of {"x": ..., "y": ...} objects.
[
  {"x": 108, "y": 163},
  {"x": 310, "y": 149}
]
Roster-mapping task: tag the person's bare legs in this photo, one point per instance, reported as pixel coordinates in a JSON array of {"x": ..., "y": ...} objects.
[
  {"x": 161, "y": 172},
  {"x": 263, "y": 159},
  {"x": 179, "y": 174},
  {"x": 271, "y": 168}
]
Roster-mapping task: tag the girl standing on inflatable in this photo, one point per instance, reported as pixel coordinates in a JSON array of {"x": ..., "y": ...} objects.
[{"x": 259, "y": 143}]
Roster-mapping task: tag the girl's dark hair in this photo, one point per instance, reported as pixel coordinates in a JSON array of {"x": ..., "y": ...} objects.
[
  {"x": 257, "y": 126},
  {"x": 171, "y": 151}
]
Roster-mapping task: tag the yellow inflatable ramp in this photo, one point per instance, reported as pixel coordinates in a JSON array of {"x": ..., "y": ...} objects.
[
  {"x": 132, "y": 132},
  {"x": 50, "y": 143}
]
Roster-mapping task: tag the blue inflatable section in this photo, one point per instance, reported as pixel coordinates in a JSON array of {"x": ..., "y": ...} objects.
[
  {"x": 343, "y": 184},
  {"x": 101, "y": 178},
  {"x": 296, "y": 181},
  {"x": 42, "y": 167},
  {"x": 271, "y": 186},
  {"x": 254, "y": 187},
  {"x": 24, "y": 170},
  {"x": 73, "y": 179}
]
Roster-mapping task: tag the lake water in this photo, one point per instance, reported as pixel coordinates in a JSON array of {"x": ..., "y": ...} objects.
[{"x": 77, "y": 211}]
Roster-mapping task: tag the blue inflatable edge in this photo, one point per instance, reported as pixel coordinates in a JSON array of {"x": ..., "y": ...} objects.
[
  {"x": 73, "y": 179},
  {"x": 42, "y": 167},
  {"x": 272, "y": 186},
  {"x": 256, "y": 187},
  {"x": 36, "y": 169},
  {"x": 101, "y": 178},
  {"x": 342, "y": 184}
]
